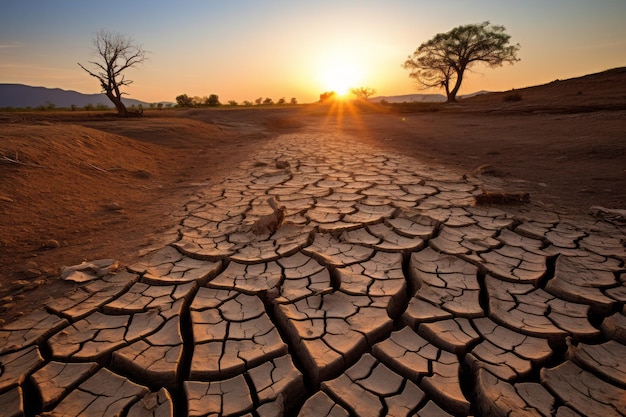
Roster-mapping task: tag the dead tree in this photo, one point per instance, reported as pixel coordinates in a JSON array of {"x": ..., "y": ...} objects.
[{"x": 115, "y": 54}]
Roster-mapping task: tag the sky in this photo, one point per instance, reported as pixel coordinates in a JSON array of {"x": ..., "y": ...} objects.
[{"x": 245, "y": 49}]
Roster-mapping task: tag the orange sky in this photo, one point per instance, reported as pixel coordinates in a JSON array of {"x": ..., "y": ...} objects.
[{"x": 242, "y": 50}]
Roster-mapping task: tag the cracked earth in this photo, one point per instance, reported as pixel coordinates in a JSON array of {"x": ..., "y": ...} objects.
[{"x": 385, "y": 291}]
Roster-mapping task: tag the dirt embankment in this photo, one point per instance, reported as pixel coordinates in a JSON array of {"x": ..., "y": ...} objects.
[{"x": 85, "y": 190}]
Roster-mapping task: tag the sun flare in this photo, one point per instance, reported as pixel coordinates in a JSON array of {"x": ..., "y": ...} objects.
[{"x": 340, "y": 76}]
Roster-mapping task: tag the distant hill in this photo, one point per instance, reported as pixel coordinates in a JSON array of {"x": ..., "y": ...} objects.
[
  {"x": 420, "y": 98},
  {"x": 410, "y": 98},
  {"x": 22, "y": 96}
]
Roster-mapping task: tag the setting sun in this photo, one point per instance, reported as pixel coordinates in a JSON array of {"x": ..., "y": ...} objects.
[{"x": 340, "y": 75}]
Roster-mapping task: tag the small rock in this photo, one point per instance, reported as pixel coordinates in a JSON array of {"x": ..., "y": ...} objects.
[
  {"x": 282, "y": 164},
  {"x": 113, "y": 206},
  {"x": 489, "y": 170},
  {"x": 51, "y": 244},
  {"x": 87, "y": 271},
  {"x": 19, "y": 297}
]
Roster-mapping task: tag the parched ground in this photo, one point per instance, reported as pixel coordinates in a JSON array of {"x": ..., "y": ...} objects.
[
  {"x": 78, "y": 186},
  {"x": 387, "y": 290}
]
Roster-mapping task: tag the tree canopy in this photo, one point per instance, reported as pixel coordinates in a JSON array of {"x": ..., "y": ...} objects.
[
  {"x": 442, "y": 61},
  {"x": 115, "y": 53}
]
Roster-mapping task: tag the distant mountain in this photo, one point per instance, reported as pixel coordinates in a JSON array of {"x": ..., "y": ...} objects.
[
  {"x": 420, "y": 98},
  {"x": 22, "y": 96}
]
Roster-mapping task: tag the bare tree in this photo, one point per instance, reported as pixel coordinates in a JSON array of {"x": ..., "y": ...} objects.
[
  {"x": 442, "y": 61},
  {"x": 363, "y": 93},
  {"x": 115, "y": 53}
]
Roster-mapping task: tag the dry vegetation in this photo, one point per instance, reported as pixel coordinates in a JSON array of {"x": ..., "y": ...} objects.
[{"x": 81, "y": 186}]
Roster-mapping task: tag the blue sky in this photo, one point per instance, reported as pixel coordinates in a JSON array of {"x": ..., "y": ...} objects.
[{"x": 244, "y": 49}]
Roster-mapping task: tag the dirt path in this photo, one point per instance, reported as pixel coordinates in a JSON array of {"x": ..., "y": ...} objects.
[
  {"x": 88, "y": 188},
  {"x": 373, "y": 285}
]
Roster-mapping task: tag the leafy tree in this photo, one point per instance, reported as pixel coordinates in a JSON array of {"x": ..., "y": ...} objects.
[
  {"x": 115, "y": 53},
  {"x": 363, "y": 93},
  {"x": 443, "y": 60},
  {"x": 247, "y": 103},
  {"x": 213, "y": 101},
  {"x": 327, "y": 96},
  {"x": 258, "y": 101},
  {"x": 293, "y": 101},
  {"x": 233, "y": 103},
  {"x": 184, "y": 100},
  {"x": 268, "y": 101},
  {"x": 281, "y": 101}
]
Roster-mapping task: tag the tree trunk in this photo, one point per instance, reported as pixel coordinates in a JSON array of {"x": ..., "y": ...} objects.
[
  {"x": 457, "y": 86},
  {"x": 121, "y": 108}
]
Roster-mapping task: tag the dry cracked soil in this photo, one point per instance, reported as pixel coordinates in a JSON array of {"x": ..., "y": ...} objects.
[{"x": 318, "y": 260}]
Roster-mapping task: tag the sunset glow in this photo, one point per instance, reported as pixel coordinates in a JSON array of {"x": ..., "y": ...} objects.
[
  {"x": 248, "y": 49},
  {"x": 340, "y": 75}
]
